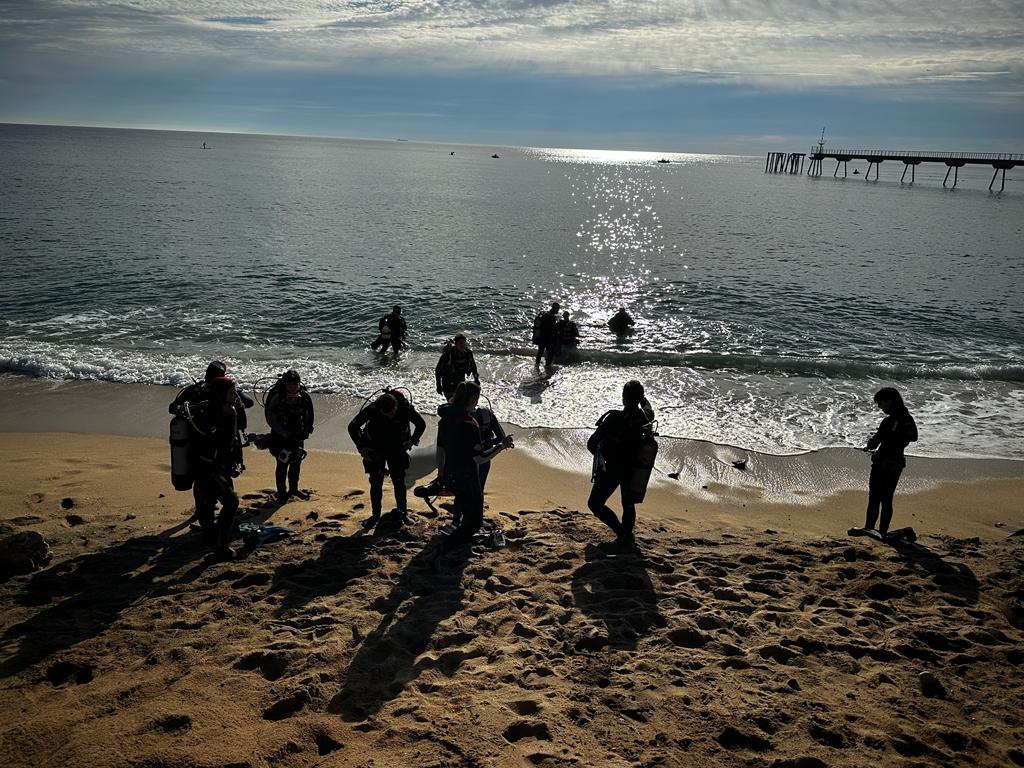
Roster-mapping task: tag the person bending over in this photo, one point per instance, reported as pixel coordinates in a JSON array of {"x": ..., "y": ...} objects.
[
  {"x": 384, "y": 432},
  {"x": 896, "y": 431},
  {"x": 290, "y": 416},
  {"x": 616, "y": 446}
]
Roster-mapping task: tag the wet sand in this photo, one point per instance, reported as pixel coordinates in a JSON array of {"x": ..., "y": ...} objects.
[{"x": 742, "y": 630}]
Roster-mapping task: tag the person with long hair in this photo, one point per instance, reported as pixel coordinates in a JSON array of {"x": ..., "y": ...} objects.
[{"x": 894, "y": 434}]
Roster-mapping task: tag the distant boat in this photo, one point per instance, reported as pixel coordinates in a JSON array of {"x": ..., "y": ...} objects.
[
  {"x": 451, "y": 153},
  {"x": 663, "y": 160},
  {"x": 495, "y": 156},
  {"x": 401, "y": 139},
  {"x": 855, "y": 171}
]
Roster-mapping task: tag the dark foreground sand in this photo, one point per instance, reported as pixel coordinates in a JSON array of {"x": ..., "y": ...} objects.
[{"x": 731, "y": 637}]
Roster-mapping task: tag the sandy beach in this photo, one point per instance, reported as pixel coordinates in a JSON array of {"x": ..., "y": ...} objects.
[{"x": 742, "y": 631}]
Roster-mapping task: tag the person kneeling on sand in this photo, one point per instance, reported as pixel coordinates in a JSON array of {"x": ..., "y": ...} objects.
[
  {"x": 623, "y": 447},
  {"x": 465, "y": 451},
  {"x": 896, "y": 431},
  {"x": 218, "y": 460},
  {"x": 382, "y": 434}
]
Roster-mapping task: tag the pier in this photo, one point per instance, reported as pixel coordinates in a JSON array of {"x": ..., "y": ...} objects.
[{"x": 954, "y": 161}]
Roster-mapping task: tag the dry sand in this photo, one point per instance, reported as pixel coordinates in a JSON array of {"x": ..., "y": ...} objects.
[{"x": 756, "y": 635}]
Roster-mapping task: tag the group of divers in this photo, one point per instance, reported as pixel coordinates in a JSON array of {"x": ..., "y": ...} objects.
[{"x": 210, "y": 429}]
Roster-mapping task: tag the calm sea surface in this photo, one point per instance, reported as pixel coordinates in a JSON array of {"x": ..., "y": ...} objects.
[{"x": 769, "y": 308}]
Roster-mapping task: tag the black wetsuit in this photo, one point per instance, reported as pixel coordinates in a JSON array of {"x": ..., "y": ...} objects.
[
  {"x": 896, "y": 431},
  {"x": 395, "y": 336},
  {"x": 621, "y": 322},
  {"x": 464, "y": 451},
  {"x": 491, "y": 435},
  {"x": 454, "y": 366},
  {"x": 195, "y": 394},
  {"x": 568, "y": 333},
  {"x": 616, "y": 442},
  {"x": 545, "y": 337},
  {"x": 291, "y": 422},
  {"x": 217, "y": 459},
  {"x": 386, "y": 438}
]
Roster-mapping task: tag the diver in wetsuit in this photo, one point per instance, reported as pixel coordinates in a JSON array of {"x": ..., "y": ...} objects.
[
  {"x": 217, "y": 456},
  {"x": 897, "y": 430},
  {"x": 289, "y": 413},
  {"x": 455, "y": 364},
  {"x": 392, "y": 331},
  {"x": 544, "y": 334},
  {"x": 616, "y": 444},
  {"x": 464, "y": 452},
  {"x": 382, "y": 434},
  {"x": 621, "y": 322}
]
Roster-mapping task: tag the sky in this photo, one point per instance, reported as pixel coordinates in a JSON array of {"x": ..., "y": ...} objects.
[{"x": 729, "y": 76}]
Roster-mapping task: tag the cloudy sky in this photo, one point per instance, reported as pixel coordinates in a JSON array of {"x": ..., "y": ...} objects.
[{"x": 686, "y": 75}]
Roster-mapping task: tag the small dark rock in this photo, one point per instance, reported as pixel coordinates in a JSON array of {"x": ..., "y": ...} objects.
[
  {"x": 67, "y": 503},
  {"x": 74, "y": 520},
  {"x": 23, "y": 552},
  {"x": 930, "y": 686}
]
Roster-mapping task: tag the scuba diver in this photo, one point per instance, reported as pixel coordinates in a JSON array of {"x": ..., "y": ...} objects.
[
  {"x": 897, "y": 430},
  {"x": 382, "y": 435},
  {"x": 465, "y": 451},
  {"x": 455, "y": 364},
  {"x": 289, "y": 412},
  {"x": 217, "y": 460},
  {"x": 621, "y": 322},
  {"x": 624, "y": 448},
  {"x": 182, "y": 459},
  {"x": 567, "y": 333},
  {"x": 392, "y": 331},
  {"x": 491, "y": 435},
  {"x": 544, "y": 336}
]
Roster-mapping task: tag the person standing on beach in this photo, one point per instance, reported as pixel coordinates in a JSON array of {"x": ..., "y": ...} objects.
[
  {"x": 464, "y": 453},
  {"x": 217, "y": 451},
  {"x": 894, "y": 434},
  {"x": 544, "y": 334},
  {"x": 289, "y": 414},
  {"x": 616, "y": 445},
  {"x": 392, "y": 331},
  {"x": 455, "y": 364},
  {"x": 384, "y": 432}
]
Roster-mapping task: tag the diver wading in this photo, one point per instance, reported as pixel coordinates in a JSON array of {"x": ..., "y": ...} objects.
[
  {"x": 289, "y": 412},
  {"x": 384, "y": 431},
  {"x": 544, "y": 334},
  {"x": 455, "y": 364},
  {"x": 391, "y": 330},
  {"x": 624, "y": 449}
]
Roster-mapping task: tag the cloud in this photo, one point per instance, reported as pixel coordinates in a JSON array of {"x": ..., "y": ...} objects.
[{"x": 794, "y": 43}]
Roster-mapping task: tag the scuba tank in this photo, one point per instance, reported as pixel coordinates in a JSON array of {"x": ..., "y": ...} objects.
[
  {"x": 640, "y": 474},
  {"x": 181, "y": 471}
]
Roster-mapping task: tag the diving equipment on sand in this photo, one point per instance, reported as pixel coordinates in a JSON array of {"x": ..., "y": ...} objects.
[{"x": 181, "y": 471}]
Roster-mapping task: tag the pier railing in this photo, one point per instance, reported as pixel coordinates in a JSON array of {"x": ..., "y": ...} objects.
[{"x": 979, "y": 157}]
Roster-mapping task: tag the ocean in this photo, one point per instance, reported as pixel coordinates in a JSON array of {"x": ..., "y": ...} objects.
[{"x": 769, "y": 308}]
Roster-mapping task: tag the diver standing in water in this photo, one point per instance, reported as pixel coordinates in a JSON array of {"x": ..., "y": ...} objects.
[
  {"x": 621, "y": 322},
  {"x": 455, "y": 364},
  {"x": 392, "y": 331},
  {"x": 289, "y": 411},
  {"x": 624, "y": 448},
  {"x": 544, "y": 334},
  {"x": 897, "y": 430},
  {"x": 217, "y": 453},
  {"x": 381, "y": 432},
  {"x": 567, "y": 334}
]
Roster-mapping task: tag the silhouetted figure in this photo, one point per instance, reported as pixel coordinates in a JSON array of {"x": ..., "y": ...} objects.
[
  {"x": 454, "y": 365},
  {"x": 567, "y": 334},
  {"x": 894, "y": 434},
  {"x": 383, "y": 434},
  {"x": 623, "y": 446},
  {"x": 544, "y": 334},
  {"x": 621, "y": 322},
  {"x": 289, "y": 411},
  {"x": 464, "y": 451},
  {"x": 391, "y": 331},
  {"x": 217, "y": 450}
]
